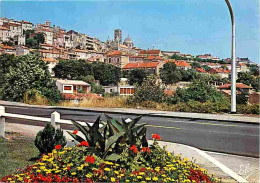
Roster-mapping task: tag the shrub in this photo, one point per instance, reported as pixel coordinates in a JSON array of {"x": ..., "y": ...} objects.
[
  {"x": 149, "y": 90},
  {"x": 34, "y": 97},
  {"x": 248, "y": 109},
  {"x": 48, "y": 138}
]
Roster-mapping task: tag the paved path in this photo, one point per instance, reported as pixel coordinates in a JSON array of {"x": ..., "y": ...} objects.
[{"x": 218, "y": 136}]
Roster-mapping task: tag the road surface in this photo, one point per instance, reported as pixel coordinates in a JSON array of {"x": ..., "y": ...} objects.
[{"x": 225, "y": 137}]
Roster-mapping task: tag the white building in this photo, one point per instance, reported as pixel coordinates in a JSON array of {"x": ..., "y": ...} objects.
[{"x": 72, "y": 86}]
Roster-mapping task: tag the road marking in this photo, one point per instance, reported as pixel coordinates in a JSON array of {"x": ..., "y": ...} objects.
[
  {"x": 202, "y": 123},
  {"x": 156, "y": 126}
]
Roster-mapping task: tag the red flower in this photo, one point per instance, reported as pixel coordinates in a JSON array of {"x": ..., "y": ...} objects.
[
  {"x": 90, "y": 159},
  {"x": 134, "y": 149},
  {"x": 146, "y": 149},
  {"x": 142, "y": 169},
  {"x": 68, "y": 168},
  {"x": 156, "y": 136},
  {"x": 84, "y": 143},
  {"x": 57, "y": 147},
  {"x": 75, "y": 132}
]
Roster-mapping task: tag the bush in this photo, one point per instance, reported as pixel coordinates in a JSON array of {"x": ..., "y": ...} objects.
[
  {"x": 34, "y": 97},
  {"x": 48, "y": 138},
  {"x": 149, "y": 90},
  {"x": 248, "y": 109}
]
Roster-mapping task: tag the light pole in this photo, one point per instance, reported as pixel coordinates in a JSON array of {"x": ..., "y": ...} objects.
[{"x": 233, "y": 60}]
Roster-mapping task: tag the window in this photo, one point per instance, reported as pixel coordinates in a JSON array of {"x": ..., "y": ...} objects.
[
  {"x": 118, "y": 59},
  {"x": 109, "y": 60},
  {"x": 67, "y": 87}
]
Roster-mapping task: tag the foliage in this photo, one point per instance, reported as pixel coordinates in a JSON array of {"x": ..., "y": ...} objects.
[
  {"x": 21, "y": 74},
  {"x": 107, "y": 74},
  {"x": 177, "y": 57},
  {"x": 200, "y": 91},
  {"x": 73, "y": 69},
  {"x": 77, "y": 164},
  {"x": 242, "y": 98},
  {"x": 35, "y": 41},
  {"x": 206, "y": 68},
  {"x": 34, "y": 97},
  {"x": 254, "y": 69},
  {"x": 149, "y": 90},
  {"x": 188, "y": 75},
  {"x": 137, "y": 76},
  {"x": 95, "y": 88},
  {"x": 106, "y": 142},
  {"x": 48, "y": 138},
  {"x": 248, "y": 109},
  {"x": 170, "y": 74},
  {"x": 195, "y": 65},
  {"x": 249, "y": 79},
  {"x": 8, "y": 43}
]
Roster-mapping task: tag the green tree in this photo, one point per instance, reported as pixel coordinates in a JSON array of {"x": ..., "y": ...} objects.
[
  {"x": 137, "y": 76},
  {"x": 25, "y": 73},
  {"x": 177, "y": 57},
  {"x": 206, "y": 68},
  {"x": 72, "y": 69},
  {"x": 8, "y": 43},
  {"x": 195, "y": 65},
  {"x": 249, "y": 79},
  {"x": 107, "y": 74},
  {"x": 254, "y": 70},
  {"x": 170, "y": 74},
  {"x": 39, "y": 37},
  {"x": 149, "y": 90}
]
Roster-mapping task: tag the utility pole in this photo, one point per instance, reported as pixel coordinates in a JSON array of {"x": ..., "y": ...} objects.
[{"x": 233, "y": 60}]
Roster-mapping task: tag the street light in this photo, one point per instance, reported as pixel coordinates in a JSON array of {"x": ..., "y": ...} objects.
[{"x": 233, "y": 60}]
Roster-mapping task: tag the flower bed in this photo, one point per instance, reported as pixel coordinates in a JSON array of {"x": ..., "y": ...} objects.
[{"x": 122, "y": 159}]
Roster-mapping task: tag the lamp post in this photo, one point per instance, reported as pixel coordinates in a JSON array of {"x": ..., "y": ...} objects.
[{"x": 233, "y": 60}]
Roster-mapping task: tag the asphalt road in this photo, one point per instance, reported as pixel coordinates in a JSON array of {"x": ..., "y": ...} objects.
[{"x": 226, "y": 137}]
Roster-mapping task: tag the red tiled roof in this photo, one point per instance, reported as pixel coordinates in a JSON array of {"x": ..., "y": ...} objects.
[
  {"x": 149, "y": 52},
  {"x": 242, "y": 64},
  {"x": 181, "y": 63},
  {"x": 238, "y": 85},
  {"x": 7, "y": 47},
  {"x": 152, "y": 57},
  {"x": 141, "y": 65},
  {"x": 219, "y": 70},
  {"x": 201, "y": 70},
  {"x": 82, "y": 51},
  {"x": 49, "y": 59},
  {"x": 50, "y": 51},
  {"x": 47, "y": 45},
  {"x": 115, "y": 53},
  {"x": 4, "y": 28}
]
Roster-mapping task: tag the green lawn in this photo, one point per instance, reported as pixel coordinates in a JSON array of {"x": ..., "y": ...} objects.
[{"x": 16, "y": 154}]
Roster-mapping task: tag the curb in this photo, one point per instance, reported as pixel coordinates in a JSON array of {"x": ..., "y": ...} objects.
[{"x": 224, "y": 168}]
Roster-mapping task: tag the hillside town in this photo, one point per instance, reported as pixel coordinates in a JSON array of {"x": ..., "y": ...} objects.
[{"x": 53, "y": 43}]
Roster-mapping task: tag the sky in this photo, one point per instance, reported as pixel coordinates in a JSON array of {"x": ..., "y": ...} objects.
[{"x": 188, "y": 26}]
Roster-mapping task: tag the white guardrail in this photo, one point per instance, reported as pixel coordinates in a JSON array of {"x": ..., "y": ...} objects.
[{"x": 54, "y": 119}]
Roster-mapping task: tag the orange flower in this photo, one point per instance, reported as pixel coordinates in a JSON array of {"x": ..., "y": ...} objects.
[
  {"x": 57, "y": 147},
  {"x": 84, "y": 143},
  {"x": 75, "y": 132},
  {"x": 156, "y": 136},
  {"x": 133, "y": 147}
]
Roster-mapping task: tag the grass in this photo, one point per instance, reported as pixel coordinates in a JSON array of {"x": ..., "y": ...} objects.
[{"x": 16, "y": 154}]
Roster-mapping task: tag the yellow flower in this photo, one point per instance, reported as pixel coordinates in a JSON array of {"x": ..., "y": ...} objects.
[
  {"x": 155, "y": 178},
  {"x": 186, "y": 159},
  {"x": 73, "y": 173},
  {"x": 127, "y": 180},
  {"x": 12, "y": 181},
  {"x": 141, "y": 173},
  {"x": 107, "y": 169},
  {"x": 148, "y": 178},
  {"x": 80, "y": 168},
  {"x": 116, "y": 172},
  {"x": 38, "y": 170},
  {"x": 163, "y": 175},
  {"x": 113, "y": 179},
  {"x": 57, "y": 171},
  {"x": 88, "y": 175},
  {"x": 109, "y": 163},
  {"x": 9, "y": 179},
  {"x": 139, "y": 177}
]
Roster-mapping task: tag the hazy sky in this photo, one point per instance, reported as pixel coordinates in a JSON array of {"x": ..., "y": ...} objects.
[{"x": 189, "y": 26}]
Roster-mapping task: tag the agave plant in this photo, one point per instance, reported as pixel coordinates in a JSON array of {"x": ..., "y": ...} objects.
[{"x": 105, "y": 141}]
